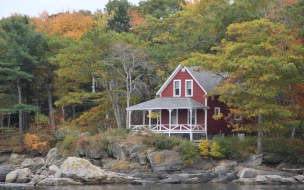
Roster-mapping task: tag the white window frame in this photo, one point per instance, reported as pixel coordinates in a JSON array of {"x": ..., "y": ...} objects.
[
  {"x": 217, "y": 110},
  {"x": 186, "y": 92},
  {"x": 193, "y": 116},
  {"x": 179, "y": 86}
]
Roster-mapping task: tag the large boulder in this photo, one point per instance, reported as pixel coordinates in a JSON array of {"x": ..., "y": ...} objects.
[
  {"x": 81, "y": 170},
  {"x": 166, "y": 161},
  {"x": 253, "y": 161},
  {"x": 4, "y": 170},
  {"x": 13, "y": 176}
]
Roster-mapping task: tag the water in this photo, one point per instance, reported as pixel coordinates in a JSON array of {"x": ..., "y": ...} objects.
[{"x": 205, "y": 186}]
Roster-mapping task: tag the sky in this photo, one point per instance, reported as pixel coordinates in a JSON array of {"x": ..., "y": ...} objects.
[{"x": 35, "y": 7}]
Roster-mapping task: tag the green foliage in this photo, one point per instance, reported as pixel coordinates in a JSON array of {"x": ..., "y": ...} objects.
[
  {"x": 232, "y": 147},
  {"x": 290, "y": 150},
  {"x": 161, "y": 141},
  {"x": 69, "y": 145},
  {"x": 189, "y": 150}
]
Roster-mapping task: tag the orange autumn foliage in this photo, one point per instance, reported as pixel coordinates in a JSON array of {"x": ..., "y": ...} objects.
[
  {"x": 136, "y": 20},
  {"x": 34, "y": 144},
  {"x": 67, "y": 24}
]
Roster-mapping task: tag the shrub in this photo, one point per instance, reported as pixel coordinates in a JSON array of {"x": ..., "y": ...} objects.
[
  {"x": 69, "y": 145},
  {"x": 204, "y": 148},
  {"x": 189, "y": 150},
  {"x": 34, "y": 144},
  {"x": 232, "y": 147},
  {"x": 290, "y": 150},
  {"x": 215, "y": 150}
]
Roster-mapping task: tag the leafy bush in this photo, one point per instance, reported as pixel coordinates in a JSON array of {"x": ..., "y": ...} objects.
[
  {"x": 232, "y": 147},
  {"x": 204, "y": 148},
  {"x": 161, "y": 141},
  {"x": 69, "y": 145},
  {"x": 289, "y": 150},
  {"x": 189, "y": 150},
  {"x": 34, "y": 144}
]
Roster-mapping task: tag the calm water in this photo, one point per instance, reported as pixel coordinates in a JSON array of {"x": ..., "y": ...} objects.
[{"x": 205, "y": 186}]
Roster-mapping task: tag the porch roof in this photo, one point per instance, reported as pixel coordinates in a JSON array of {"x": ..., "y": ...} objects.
[{"x": 168, "y": 103}]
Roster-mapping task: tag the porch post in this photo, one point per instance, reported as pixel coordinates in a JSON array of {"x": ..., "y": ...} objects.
[
  {"x": 160, "y": 119},
  {"x": 129, "y": 115},
  {"x": 191, "y": 134},
  {"x": 169, "y": 122},
  {"x": 144, "y": 118},
  {"x": 205, "y": 110},
  {"x": 150, "y": 119}
]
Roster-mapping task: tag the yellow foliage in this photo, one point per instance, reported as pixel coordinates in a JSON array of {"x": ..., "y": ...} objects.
[
  {"x": 215, "y": 150},
  {"x": 204, "y": 148},
  {"x": 34, "y": 144}
]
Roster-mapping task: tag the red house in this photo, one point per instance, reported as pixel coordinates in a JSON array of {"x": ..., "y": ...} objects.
[{"x": 182, "y": 108}]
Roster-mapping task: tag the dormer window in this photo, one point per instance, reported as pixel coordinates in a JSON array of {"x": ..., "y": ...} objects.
[
  {"x": 189, "y": 88},
  {"x": 176, "y": 88}
]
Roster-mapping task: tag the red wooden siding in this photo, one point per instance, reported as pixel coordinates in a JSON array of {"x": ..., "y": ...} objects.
[
  {"x": 217, "y": 126},
  {"x": 198, "y": 93}
]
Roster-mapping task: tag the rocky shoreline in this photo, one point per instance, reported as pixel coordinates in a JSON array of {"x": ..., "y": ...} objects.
[{"x": 137, "y": 165}]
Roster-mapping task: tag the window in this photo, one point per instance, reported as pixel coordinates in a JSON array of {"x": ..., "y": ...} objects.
[
  {"x": 174, "y": 117},
  {"x": 176, "y": 87},
  {"x": 217, "y": 110},
  {"x": 189, "y": 87},
  {"x": 192, "y": 119}
]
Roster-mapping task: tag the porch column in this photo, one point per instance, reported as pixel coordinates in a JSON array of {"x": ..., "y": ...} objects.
[
  {"x": 160, "y": 118},
  {"x": 169, "y": 122},
  {"x": 205, "y": 110},
  {"x": 129, "y": 115},
  {"x": 144, "y": 118},
  {"x": 191, "y": 134},
  {"x": 150, "y": 119}
]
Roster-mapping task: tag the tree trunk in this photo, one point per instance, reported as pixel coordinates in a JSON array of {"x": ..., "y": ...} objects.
[
  {"x": 74, "y": 112},
  {"x": 20, "y": 111},
  {"x": 260, "y": 134},
  {"x": 51, "y": 109}
]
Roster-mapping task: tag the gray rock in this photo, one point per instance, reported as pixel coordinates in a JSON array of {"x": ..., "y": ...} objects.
[
  {"x": 83, "y": 171},
  {"x": 17, "y": 158},
  {"x": 4, "y": 170},
  {"x": 57, "y": 182},
  {"x": 23, "y": 180},
  {"x": 13, "y": 176},
  {"x": 247, "y": 173},
  {"x": 170, "y": 181},
  {"x": 4, "y": 158},
  {"x": 200, "y": 163},
  {"x": 146, "y": 175},
  {"x": 253, "y": 161},
  {"x": 166, "y": 160}
]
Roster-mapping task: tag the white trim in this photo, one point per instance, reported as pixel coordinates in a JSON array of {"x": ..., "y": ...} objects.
[
  {"x": 159, "y": 92},
  {"x": 179, "y": 87},
  {"x": 189, "y": 80},
  {"x": 217, "y": 110}
]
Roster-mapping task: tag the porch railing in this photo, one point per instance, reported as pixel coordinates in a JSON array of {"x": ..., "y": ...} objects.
[{"x": 174, "y": 128}]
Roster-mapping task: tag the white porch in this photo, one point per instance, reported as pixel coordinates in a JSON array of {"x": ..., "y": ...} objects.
[{"x": 172, "y": 125}]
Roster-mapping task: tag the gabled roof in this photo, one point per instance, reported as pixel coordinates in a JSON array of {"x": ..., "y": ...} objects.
[
  {"x": 168, "y": 103},
  {"x": 205, "y": 79}
]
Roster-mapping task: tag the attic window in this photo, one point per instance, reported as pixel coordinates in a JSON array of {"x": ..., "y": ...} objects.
[
  {"x": 183, "y": 69},
  {"x": 176, "y": 87},
  {"x": 189, "y": 88}
]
